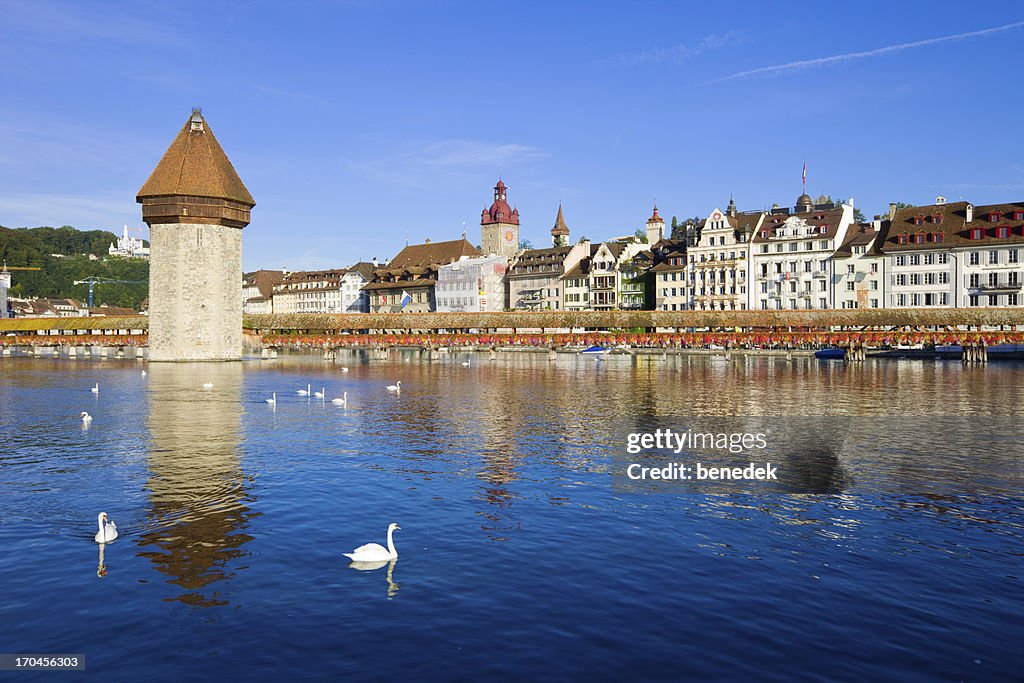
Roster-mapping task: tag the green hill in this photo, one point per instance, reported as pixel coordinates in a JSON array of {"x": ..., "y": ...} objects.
[{"x": 62, "y": 254}]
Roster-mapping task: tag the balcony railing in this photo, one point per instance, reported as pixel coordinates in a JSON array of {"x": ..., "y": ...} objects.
[{"x": 998, "y": 288}]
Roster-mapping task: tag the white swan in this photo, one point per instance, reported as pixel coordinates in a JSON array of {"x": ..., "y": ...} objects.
[
  {"x": 319, "y": 394},
  {"x": 375, "y": 552},
  {"x": 273, "y": 399},
  {"x": 396, "y": 387},
  {"x": 96, "y": 389},
  {"x": 303, "y": 392},
  {"x": 108, "y": 530},
  {"x": 143, "y": 373},
  {"x": 86, "y": 419},
  {"x": 343, "y": 401},
  {"x": 344, "y": 369},
  {"x": 208, "y": 385},
  {"x": 466, "y": 364}
]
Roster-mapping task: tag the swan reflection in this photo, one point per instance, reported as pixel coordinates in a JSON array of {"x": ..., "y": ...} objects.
[
  {"x": 370, "y": 566},
  {"x": 101, "y": 567}
]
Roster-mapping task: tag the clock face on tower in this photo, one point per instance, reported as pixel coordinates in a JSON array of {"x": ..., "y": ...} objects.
[{"x": 508, "y": 236}]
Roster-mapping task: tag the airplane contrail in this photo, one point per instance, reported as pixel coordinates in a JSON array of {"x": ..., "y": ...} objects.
[{"x": 777, "y": 68}]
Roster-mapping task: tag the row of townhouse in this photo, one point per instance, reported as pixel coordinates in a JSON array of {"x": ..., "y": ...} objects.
[
  {"x": 813, "y": 255},
  {"x": 337, "y": 290}
]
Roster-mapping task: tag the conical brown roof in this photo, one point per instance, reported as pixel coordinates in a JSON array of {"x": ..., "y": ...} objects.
[
  {"x": 560, "y": 228},
  {"x": 196, "y": 166}
]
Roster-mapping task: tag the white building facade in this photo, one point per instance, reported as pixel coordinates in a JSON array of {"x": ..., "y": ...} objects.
[
  {"x": 317, "y": 291},
  {"x": 792, "y": 261},
  {"x": 860, "y": 268},
  {"x": 956, "y": 255},
  {"x": 472, "y": 285},
  {"x": 720, "y": 260}
]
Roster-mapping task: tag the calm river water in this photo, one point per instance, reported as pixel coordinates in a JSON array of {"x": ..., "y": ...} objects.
[{"x": 524, "y": 552}]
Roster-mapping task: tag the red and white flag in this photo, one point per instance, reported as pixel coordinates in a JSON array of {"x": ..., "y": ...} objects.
[{"x": 803, "y": 176}]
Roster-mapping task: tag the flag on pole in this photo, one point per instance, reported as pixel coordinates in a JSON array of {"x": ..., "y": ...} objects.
[
  {"x": 803, "y": 176},
  {"x": 406, "y": 298}
]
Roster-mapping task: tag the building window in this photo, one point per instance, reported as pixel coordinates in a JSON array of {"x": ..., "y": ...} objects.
[
  {"x": 993, "y": 257},
  {"x": 943, "y": 258},
  {"x": 975, "y": 258},
  {"x": 1012, "y": 256},
  {"x": 901, "y": 300},
  {"x": 975, "y": 280},
  {"x": 1011, "y": 299}
]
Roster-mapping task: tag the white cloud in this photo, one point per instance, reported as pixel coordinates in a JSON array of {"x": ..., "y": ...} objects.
[
  {"x": 676, "y": 53},
  {"x": 850, "y": 56}
]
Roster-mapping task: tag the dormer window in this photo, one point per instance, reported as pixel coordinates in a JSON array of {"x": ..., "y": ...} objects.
[
  {"x": 902, "y": 239},
  {"x": 1018, "y": 215},
  {"x": 1003, "y": 231},
  {"x": 919, "y": 238},
  {"x": 993, "y": 216},
  {"x": 936, "y": 218},
  {"x": 976, "y": 234},
  {"x": 936, "y": 237},
  {"x": 918, "y": 219}
]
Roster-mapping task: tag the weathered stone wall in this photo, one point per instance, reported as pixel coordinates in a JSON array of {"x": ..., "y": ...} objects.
[{"x": 195, "y": 311}]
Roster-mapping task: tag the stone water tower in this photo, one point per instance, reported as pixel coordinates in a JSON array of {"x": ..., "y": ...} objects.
[{"x": 196, "y": 206}]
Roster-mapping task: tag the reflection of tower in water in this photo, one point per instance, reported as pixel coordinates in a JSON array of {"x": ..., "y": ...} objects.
[{"x": 196, "y": 483}]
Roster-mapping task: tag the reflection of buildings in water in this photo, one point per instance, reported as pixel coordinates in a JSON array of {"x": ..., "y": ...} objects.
[
  {"x": 499, "y": 421},
  {"x": 196, "y": 484}
]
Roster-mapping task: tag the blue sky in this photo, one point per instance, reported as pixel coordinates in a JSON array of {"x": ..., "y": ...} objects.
[{"x": 357, "y": 125}]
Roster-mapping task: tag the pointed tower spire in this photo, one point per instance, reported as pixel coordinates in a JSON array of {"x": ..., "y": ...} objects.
[
  {"x": 655, "y": 227},
  {"x": 560, "y": 231}
]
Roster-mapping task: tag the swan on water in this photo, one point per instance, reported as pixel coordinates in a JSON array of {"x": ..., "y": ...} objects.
[
  {"x": 396, "y": 387},
  {"x": 375, "y": 552},
  {"x": 319, "y": 394},
  {"x": 86, "y": 418},
  {"x": 108, "y": 530},
  {"x": 303, "y": 392},
  {"x": 344, "y": 369},
  {"x": 273, "y": 399},
  {"x": 96, "y": 389},
  {"x": 465, "y": 364},
  {"x": 143, "y": 373},
  {"x": 343, "y": 401},
  {"x": 208, "y": 385}
]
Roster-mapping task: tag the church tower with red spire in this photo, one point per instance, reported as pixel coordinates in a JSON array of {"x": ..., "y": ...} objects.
[{"x": 499, "y": 225}]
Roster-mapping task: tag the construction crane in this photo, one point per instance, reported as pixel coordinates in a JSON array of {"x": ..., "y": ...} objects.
[{"x": 92, "y": 280}]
